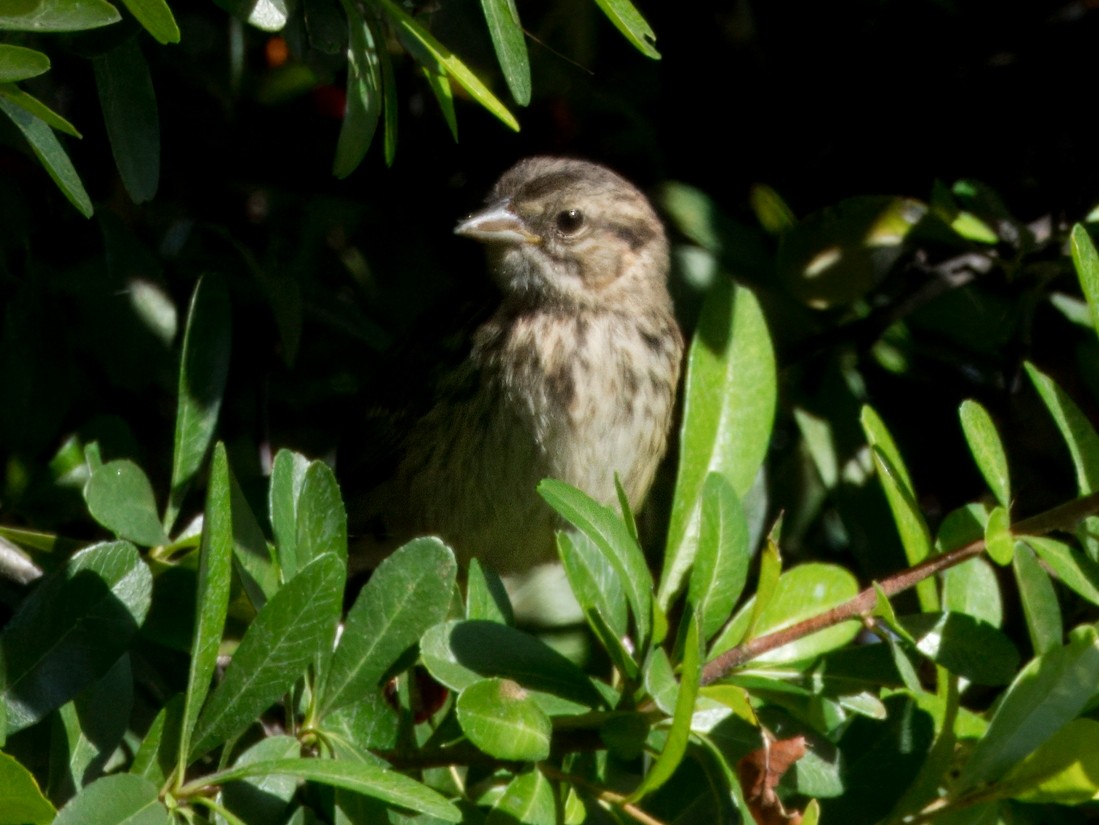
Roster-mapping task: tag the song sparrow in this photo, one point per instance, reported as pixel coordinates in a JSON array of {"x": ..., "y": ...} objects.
[{"x": 573, "y": 377}]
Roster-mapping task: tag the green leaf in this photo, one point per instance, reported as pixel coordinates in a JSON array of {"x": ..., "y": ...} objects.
[
  {"x": 21, "y": 801},
  {"x": 287, "y": 477},
  {"x": 120, "y": 497},
  {"x": 728, "y": 412},
  {"x": 157, "y": 757},
  {"x": 1086, "y": 261},
  {"x": 364, "y": 94},
  {"x": 603, "y": 526},
  {"x": 408, "y": 593},
  {"x": 359, "y": 777},
  {"x": 1050, "y": 691},
  {"x": 444, "y": 96},
  {"x": 964, "y": 645},
  {"x": 1063, "y": 771},
  {"x": 771, "y": 210},
  {"x": 1075, "y": 570},
  {"x": 130, "y": 112},
  {"x": 504, "y": 721},
  {"x": 428, "y": 51},
  {"x": 899, "y": 492},
  {"x": 999, "y": 541},
  {"x": 675, "y": 746},
  {"x": 322, "y": 521},
  {"x": 156, "y": 18},
  {"x": 987, "y": 449},
  {"x": 628, "y": 20},
  {"x": 460, "y": 653},
  {"x": 18, "y": 63},
  {"x": 72, "y": 629},
  {"x": 202, "y": 374},
  {"x": 123, "y": 799},
  {"x": 58, "y": 15},
  {"x": 49, "y": 152},
  {"x": 486, "y": 595},
  {"x": 972, "y": 588},
  {"x": 390, "y": 104},
  {"x": 511, "y": 49},
  {"x": 1079, "y": 435},
  {"x": 1039, "y": 599},
  {"x": 263, "y": 798},
  {"x": 39, "y": 109},
  {"x": 801, "y": 592},
  {"x": 252, "y": 558},
  {"x": 721, "y": 561},
  {"x": 275, "y": 651},
  {"x": 770, "y": 569},
  {"x": 528, "y": 798},
  {"x": 211, "y": 597}
]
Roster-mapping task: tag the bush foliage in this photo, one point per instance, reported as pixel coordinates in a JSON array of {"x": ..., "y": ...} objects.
[{"x": 864, "y": 590}]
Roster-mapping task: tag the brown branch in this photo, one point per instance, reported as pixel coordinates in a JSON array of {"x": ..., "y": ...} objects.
[{"x": 1063, "y": 517}]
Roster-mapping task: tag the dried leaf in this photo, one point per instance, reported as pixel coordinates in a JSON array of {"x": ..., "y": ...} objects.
[{"x": 759, "y": 773}]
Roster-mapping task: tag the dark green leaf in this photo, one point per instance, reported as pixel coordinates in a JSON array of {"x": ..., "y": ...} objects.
[
  {"x": 1086, "y": 260},
  {"x": 486, "y": 595},
  {"x": 37, "y": 108},
  {"x": 1043, "y": 613},
  {"x": 1076, "y": 429},
  {"x": 408, "y": 593},
  {"x": 279, "y": 645},
  {"x": 322, "y": 521},
  {"x": 212, "y": 596},
  {"x": 21, "y": 801},
  {"x": 120, "y": 497},
  {"x": 628, "y": 20},
  {"x": 721, "y": 561},
  {"x": 287, "y": 477},
  {"x": 987, "y": 449},
  {"x": 58, "y": 15},
  {"x": 1050, "y": 691},
  {"x": 504, "y": 721},
  {"x": 202, "y": 376},
  {"x": 603, "y": 526},
  {"x": 251, "y": 556},
  {"x": 123, "y": 799},
  {"x": 49, "y": 152},
  {"x": 263, "y": 798},
  {"x": 364, "y": 94},
  {"x": 18, "y": 63},
  {"x": 156, "y": 18},
  {"x": 728, "y": 413},
  {"x": 360, "y": 777},
  {"x": 965, "y": 646},
  {"x": 444, "y": 96},
  {"x": 511, "y": 49},
  {"x": 158, "y": 755},
  {"x": 72, "y": 629},
  {"x": 129, "y": 110}
]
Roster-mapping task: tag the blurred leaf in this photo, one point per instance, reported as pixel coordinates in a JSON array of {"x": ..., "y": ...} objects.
[
  {"x": 58, "y": 15},
  {"x": 964, "y": 645},
  {"x": 408, "y": 593},
  {"x": 274, "y": 653},
  {"x": 1086, "y": 261},
  {"x": 287, "y": 477},
  {"x": 675, "y": 746},
  {"x": 211, "y": 598},
  {"x": 1075, "y": 570},
  {"x": 114, "y": 800},
  {"x": 71, "y": 629},
  {"x": 120, "y": 498},
  {"x": 511, "y": 49},
  {"x": 130, "y": 112},
  {"x": 202, "y": 375},
  {"x": 156, "y": 18},
  {"x": 502, "y": 719},
  {"x": 1065, "y": 770},
  {"x": 327, "y": 25},
  {"x": 486, "y": 595},
  {"x": 364, "y": 94},
  {"x": 428, "y": 51},
  {"x": 603, "y": 526},
  {"x": 390, "y": 104},
  {"x": 628, "y": 20},
  {"x": 728, "y": 412},
  {"x": 999, "y": 541},
  {"x": 266, "y": 15},
  {"x": 901, "y": 495},
  {"x": 987, "y": 449},
  {"x": 21, "y": 801},
  {"x": 801, "y": 592},
  {"x": 18, "y": 63},
  {"x": 463, "y": 652},
  {"x": 771, "y": 210},
  {"x": 39, "y": 109},
  {"x": 1040, "y": 606},
  {"x": 721, "y": 562},
  {"x": 440, "y": 86},
  {"x": 360, "y": 777},
  {"x": 49, "y": 152},
  {"x": 528, "y": 798},
  {"x": 1048, "y": 692}
]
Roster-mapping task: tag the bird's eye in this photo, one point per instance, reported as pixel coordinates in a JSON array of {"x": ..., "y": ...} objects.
[{"x": 569, "y": 221}]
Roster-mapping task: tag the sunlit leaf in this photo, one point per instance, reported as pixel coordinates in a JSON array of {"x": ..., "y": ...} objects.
[
  {"x": 19, "y": 63},
  {"x": 511, "y": 49}
]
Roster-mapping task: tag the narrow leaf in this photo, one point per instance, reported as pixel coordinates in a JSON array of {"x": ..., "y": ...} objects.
[
  {"x": 39, "y": 109},
  {"x": 1075, "y": 570},
  {"x": 721, "y": 562},
  {"x": 156, "y": 18},
  {"x": 49, "y": 152},
  {"x": 511, "y": 49},
  {"x": 1086, "y": 261},
  {"x": 628, "y": 20},
  {"x": 18, "y": 63},
  {"x": 129, "y": 109},
  {"x": 287, "y": 477},
  {"x": 58, "y": 16},
  {"x": 364, "y": 94},
  {"x": 1040, "y": 606},
  {"x": 987, "y": 449}
]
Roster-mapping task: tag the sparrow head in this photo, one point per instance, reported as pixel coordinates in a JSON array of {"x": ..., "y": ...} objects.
[{"x": 571, "y": 232}]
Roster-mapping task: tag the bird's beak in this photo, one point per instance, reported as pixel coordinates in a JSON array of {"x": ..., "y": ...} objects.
[{"x": 496, "y": 224}]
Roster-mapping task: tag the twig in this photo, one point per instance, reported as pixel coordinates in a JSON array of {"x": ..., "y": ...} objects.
[
  {"x": 601, "y": 793},
  {"x": 1063, "y": 517}
]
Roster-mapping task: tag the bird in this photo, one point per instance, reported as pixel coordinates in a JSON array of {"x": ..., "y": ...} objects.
[{"x": 572, "y": 375}]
